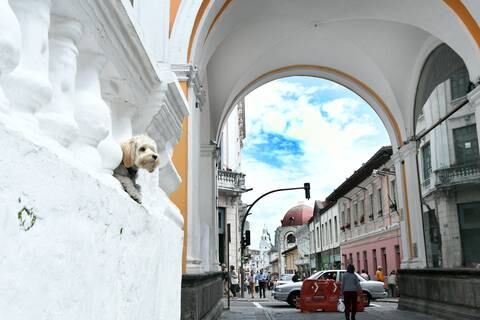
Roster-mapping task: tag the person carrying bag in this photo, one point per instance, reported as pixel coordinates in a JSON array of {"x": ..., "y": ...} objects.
[{"x": 350, "y": 290}]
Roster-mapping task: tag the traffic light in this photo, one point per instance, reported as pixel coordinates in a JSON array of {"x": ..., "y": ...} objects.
[
  {"x": 246, "y": 239},
  {"x": 306, "y": 186}
]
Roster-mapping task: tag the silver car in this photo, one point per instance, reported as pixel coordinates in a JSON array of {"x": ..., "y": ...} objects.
[{"x": 291, "y": 291}]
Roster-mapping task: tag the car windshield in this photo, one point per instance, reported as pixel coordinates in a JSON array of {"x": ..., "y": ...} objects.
[{"x": 286, "y": 277}]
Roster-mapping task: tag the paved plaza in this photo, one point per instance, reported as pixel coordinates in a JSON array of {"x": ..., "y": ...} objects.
[{"x": 268, "y": 309}]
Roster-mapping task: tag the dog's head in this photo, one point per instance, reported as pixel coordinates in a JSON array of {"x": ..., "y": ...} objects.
[{"x": 141, "y": 152}]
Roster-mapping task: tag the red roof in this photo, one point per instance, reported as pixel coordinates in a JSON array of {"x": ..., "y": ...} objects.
[{"x": 297, "y": 216}]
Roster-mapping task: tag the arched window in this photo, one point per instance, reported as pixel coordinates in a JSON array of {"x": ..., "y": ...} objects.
[
  {"x": 448, "y": 161},
  {"x": 291, "y": 238}
]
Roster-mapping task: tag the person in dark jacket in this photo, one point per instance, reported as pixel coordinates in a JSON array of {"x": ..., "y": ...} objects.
[{"x": 350, "y": 290}]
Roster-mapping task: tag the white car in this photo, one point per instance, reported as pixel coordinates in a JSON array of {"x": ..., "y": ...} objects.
[
  {"x": 289, "y": 292},
  {"x": 284, "y": 278}
]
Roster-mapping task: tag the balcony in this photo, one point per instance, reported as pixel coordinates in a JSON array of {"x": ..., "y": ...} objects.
[
  {"x": 231, "y": 181},
  {"x": 462, "y": 174}
]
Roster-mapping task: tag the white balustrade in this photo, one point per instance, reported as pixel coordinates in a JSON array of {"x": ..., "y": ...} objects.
[
  {"x": 110, "y": 152},
  {"x": 28, "y": 87},
  {"x": 57, "y": 117},
  {"x": 9, "y": 46},
  {"x": 91, "y": 112}
]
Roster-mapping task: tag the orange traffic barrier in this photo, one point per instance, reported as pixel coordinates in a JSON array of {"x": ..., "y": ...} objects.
[{"x": 323, "y": 295}]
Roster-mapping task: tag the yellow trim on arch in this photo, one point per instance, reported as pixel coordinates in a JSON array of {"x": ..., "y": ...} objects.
[
  {"x": 196, "y": 23},
  {"x": 466, "y": 17},
  {"x": 341, "y": 74},
  {"x": 220, "y": 12}
]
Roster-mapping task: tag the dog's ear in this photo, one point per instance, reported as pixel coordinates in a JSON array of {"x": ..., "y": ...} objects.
[{"x": 128, "y": 149}]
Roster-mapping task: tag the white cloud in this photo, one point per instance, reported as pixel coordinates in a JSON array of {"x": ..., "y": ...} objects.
[{"x": 336, "y": 136}]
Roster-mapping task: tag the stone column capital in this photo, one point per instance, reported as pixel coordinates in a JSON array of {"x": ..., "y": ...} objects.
[{"x": 404, "y": 152}]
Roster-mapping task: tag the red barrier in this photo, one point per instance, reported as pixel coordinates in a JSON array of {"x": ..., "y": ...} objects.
[{"x": 323, "y": 295}]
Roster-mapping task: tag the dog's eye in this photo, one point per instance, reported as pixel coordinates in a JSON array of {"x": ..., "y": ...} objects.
[{"x": 142, "y": 149}]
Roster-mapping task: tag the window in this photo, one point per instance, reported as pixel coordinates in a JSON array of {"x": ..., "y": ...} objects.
[
  {"x": 318, "y": 237},
  {"x": 466, "y": 144},
  {"x": 336, "y": 229},
  {"x": 384, "y": 260},
  {"x": 365, "y": 261},
  {"x": 397, "y": 257},
  {"x": 342, "y": 217},
  {"x": 355, "y": 213},
  {"x": 426, "y": 161},
  {"x": 380, "y": 204},
  {"x": 349, "y": 217},
  {"x": 469, "y": 218},
  {"x": 393, "y": 191},
  {"x": 358, "y": 262},
  {"x": 330, "y": 226},
  {"x": 221, "y": 220},
  {"x": 361, "y": 208},
  {"x": 374, "y": 259},
  {"x": 291, "y": 238},
  {"x": 459, "y": 82},
  {"x": 372, "y": 215}
]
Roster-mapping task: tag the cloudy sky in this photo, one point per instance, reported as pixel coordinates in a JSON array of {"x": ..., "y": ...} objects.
[{"x": 303, "y": 129}]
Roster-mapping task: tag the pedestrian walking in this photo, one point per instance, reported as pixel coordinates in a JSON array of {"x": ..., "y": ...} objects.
[
  {"x": 257, "y": 285},
  {"x": 233, "y": 281},
  {"x": 262, "y": 282},
  {"x": 295, "y": 277},
  {"x": 365, "y": 275},
  {"x": 350, "y": 290},
  {"x": 379, "y": 274},
  {"x": 251, "y": 283},
  {"x": 226, "y": 290},
  {"x": 392, "y": 284}
]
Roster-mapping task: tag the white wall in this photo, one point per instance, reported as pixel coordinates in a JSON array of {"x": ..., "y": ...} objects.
[{"x": 92, "y": 253}]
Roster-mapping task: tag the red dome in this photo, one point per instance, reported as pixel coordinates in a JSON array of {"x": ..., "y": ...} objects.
[{"x": 297, "y": 216}]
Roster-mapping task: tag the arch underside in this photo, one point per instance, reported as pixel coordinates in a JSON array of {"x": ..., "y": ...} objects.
[{"x": 377, "y": 51}]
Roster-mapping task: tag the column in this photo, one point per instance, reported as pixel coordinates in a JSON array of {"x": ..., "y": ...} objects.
[
  {"x": 28, "y": 87},
  {"x": 122, "y": 113},
  {"x": 208, "y": 208},
  {"x": 91, "y": 113},
  {"x": 10, "y": 43},
  {"x": 57, "y": 117},
  {"x": 409, "y": 206}
]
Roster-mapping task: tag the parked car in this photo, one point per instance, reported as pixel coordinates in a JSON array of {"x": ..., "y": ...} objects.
[
  {"x": 289, "y": 292},
  {"x": 284, "y": 278}
]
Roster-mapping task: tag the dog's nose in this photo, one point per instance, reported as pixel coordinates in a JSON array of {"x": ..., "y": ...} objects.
[{"x": 154, "y": 156}]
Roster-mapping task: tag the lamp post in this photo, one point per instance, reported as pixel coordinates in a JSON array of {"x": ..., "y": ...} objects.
[{"x": 243, "y": 244}]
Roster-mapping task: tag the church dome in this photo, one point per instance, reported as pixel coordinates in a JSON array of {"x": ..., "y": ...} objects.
[{"x": 297, "y": 216}]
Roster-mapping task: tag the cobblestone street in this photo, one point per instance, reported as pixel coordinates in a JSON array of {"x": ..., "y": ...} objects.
[{"x": 260, "y": 309}]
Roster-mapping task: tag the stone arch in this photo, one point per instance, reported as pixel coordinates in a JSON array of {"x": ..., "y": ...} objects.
[{"x": 393, "y": 127}]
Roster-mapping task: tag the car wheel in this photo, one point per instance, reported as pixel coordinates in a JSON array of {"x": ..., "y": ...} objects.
[
  {"x": 369, "y": 298},
  {"x": 292, "y": 298}
]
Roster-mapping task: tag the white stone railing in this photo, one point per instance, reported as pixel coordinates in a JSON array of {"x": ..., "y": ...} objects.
[{"x": 76, "y": 75}]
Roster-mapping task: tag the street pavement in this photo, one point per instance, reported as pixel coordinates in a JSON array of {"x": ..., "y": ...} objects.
[{"x": 269, "y": 309}]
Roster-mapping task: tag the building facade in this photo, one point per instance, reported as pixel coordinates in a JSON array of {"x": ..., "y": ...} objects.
[
  {"x": 287, "y": 236},
  {"x": 370, "y": 231},
  {"x": 231, "y": 185}
]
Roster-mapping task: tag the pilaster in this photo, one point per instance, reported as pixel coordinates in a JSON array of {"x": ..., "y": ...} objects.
[{"x": 409, "y": 206}]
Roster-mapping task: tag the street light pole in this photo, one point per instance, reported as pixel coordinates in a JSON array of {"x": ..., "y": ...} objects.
[{"x": 306, "y": 187}]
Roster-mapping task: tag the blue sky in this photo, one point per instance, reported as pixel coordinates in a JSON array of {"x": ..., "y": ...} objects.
[{"x": 303, "y": 129}]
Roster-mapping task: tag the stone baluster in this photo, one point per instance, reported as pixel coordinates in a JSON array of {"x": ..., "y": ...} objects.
[
  {"x": 110, "y": 152},
  {"x": 122, "y": 114},
  {"x": 9, "y": 46},
  {"x": 28, "y": 87},
  {"x": 91, "y": 112},
  {"x": 57, "y": 117}
]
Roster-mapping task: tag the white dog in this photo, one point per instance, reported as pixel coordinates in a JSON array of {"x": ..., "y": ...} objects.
[{"x": 138, "y": 152}]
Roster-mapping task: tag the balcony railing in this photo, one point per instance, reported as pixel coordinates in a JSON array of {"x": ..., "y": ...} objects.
[
  {"x": 231, "y": 181},
  {"x": 458, "y": 174}
]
